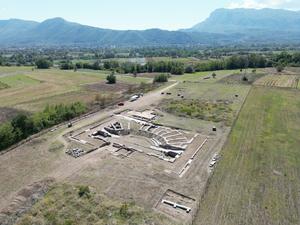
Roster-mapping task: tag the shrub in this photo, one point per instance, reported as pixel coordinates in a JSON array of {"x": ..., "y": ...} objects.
[
  {"x": 245, "y": 79},
  {"x": 124, "y": 210},
  {"x": 161, "y": 78},
  {"x": 43, "y": 63},
  {"x": 84, "y": 191},
  {"x": 111, "y": 79},
  {"x": 279, "y": 68},
  {"x": 189, "y": 69},
  {"x": 67, "y": 65}
]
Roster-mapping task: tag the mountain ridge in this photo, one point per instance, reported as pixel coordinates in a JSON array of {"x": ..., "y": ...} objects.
[{"x": 224, "y": 26}]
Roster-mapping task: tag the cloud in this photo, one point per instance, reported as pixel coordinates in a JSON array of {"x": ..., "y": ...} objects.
[{"x": 259, "y": 4}]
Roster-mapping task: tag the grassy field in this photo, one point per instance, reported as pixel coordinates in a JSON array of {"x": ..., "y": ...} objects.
[
  {"x": 19, "y": 81},
  {"x": 199, "y": 76},
  {"x": 210, "y": 92},
  {"x": 30, "y": 90},
  {"x": 63, "y": 205},
  {"x": 257, "y": 180},
  {"x": 4, "y": 70}
]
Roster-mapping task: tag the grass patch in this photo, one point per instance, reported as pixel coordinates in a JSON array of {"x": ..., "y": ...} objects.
[
  {"x": 3, "y": 85},
  {"x": 56, "y": 146},
  {"x": 199, "y": 76},
  {"x": 18, "y": 81},
  {"x": 33, "y": 90},
  {"x": 66, "y": 204},
  {"x": 257, "y": 180},
  {"x": 215, "y": 111}
]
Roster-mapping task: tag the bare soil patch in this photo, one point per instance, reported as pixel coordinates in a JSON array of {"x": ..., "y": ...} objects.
[{"x": 119, "y": 87}]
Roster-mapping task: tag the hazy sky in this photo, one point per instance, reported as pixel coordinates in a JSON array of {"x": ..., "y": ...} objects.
[{"x": 130, "y": 14}]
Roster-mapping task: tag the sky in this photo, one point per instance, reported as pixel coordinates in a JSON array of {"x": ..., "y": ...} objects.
[{"x": 131, "y": 14}]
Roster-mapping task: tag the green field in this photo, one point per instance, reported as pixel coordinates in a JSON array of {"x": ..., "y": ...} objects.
[
  {"x": 30, "y": 90},
  {"x": 19, "y": 81},
  {"x": 199, "y": 76},
  {"x": 257, "y": 180}
]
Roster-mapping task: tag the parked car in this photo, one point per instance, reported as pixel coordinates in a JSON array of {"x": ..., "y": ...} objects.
[{"x": 134, "y": 98}]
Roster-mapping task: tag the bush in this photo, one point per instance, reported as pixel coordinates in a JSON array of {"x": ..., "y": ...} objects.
[
  {"x": 111, "y": 79},
  {"x": 245, "y": 79},
  {"x": 68, "y": 65},
  {"x": 189, "y": 69},
  {"x": 161, "y": 78},
  {"x": 279, "y": 68},
  {"x": 124, "y": 210},
  {"x": 84, "y": 191},
  {"x": 43, "y": 63}
]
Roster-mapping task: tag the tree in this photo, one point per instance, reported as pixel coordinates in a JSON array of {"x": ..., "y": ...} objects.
[
  {"x": 7, "y": 136},
  {"x": 1, "y": 60},
  {"x": 43, "y": 63},
  {"x": 111, "y": 79},
  {"x": 214, "y": 75}
]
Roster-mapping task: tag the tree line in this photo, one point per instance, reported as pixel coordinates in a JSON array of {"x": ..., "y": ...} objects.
[
  {"x": 175, "y": 67},
  {"x": 22, "y": 126}
]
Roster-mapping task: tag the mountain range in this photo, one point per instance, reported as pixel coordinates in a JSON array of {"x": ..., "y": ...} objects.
[{"x": 224, "y": 26}]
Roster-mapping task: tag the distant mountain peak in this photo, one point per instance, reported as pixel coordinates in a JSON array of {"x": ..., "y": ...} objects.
[
  {"x": 246, "y": 20},
  {"x": 55, "y": 20}
]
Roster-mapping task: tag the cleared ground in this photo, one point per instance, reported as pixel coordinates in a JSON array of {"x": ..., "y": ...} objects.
[{"x": 257, "y": 180}]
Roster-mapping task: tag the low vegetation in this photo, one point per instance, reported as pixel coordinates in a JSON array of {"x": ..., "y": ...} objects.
[
  {"x": 215, "y": 111},
  {"x": 160, "y": 78},
  {"x": 22, "y": 126},
  {"x": 43, "y": 63},
  {"x": 66, "y": 204},
  {"x": 3, "y": 85},
  {"x": 111, "y": 78},
  {"x": 257, "y": 179},
  {"x": 56, "y": 146}
]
